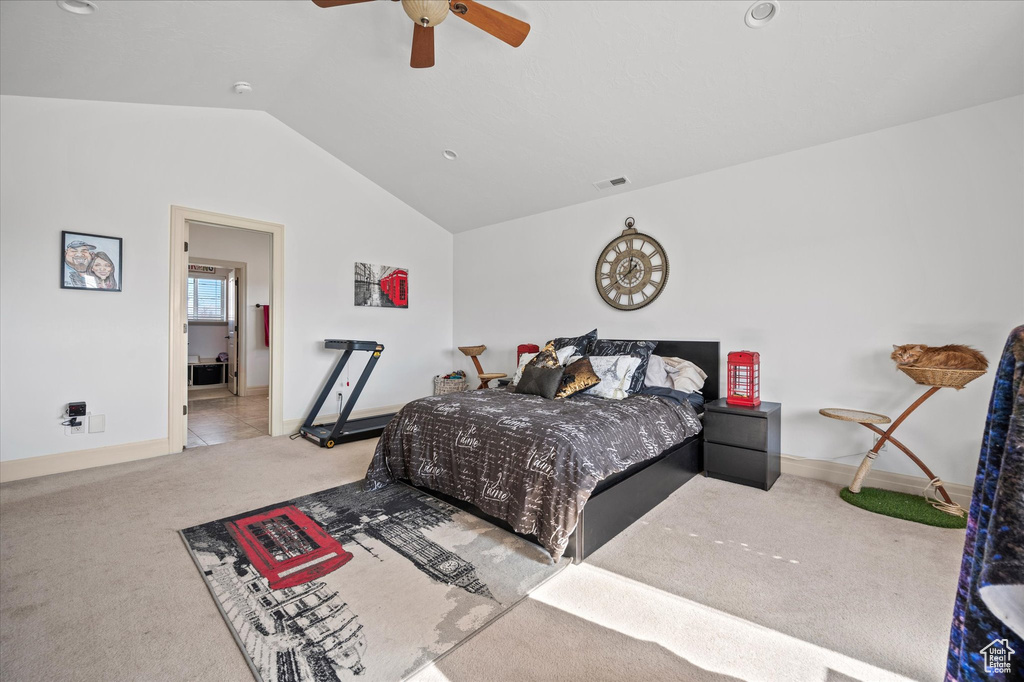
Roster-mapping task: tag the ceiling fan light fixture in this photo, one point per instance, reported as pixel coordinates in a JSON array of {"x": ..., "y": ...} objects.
[
  {"x": 77, "y": 6},
  {"x": 426, "y": 12},
  {"x": 761, "y": 12}
]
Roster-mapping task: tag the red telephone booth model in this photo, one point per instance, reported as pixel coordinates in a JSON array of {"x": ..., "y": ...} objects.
[
  {"x": 396, "y": 287},
  {"x": 744, "y": 378},
  {"x": 524, "y": 348},
  {"x": 287, "y": 547}
]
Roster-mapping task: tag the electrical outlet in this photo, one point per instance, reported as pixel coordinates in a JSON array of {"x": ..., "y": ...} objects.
[
  {"x": 71, "y": 430},
  {"x": 885, "y": 445}
]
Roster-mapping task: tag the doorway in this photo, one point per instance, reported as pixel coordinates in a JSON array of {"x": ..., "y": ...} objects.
[
  {"x": 220, "y": 322},
  {"x": 225, "y": 371}
]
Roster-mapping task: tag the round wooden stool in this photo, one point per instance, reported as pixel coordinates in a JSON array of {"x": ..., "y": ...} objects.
[{"x": 485, "y": 377}]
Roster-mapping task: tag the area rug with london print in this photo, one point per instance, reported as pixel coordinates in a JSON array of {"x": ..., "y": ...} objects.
[{"x": 375, "y": 584}]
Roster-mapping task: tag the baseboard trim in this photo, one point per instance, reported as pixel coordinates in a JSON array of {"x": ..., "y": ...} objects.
[
  {"x": 292, "y": 425},
  {"x": 842, "y": 474},
  {"x": 61, "y": 462},
  {"x": 257, "y": 390}
]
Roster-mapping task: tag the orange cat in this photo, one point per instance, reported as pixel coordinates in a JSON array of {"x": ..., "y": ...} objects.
[{"x": 953, "y": 356}]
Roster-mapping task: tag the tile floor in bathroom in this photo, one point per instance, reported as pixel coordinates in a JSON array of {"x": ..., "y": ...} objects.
[{"x": 222, "y": 420}]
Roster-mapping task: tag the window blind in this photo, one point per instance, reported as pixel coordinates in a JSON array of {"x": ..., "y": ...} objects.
[{"x": 206, "y": 299}]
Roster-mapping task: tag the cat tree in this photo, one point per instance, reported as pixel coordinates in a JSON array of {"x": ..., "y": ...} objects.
[{"x": 935, "y": 379}]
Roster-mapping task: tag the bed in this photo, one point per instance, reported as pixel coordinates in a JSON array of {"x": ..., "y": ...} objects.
[{"x": 568, "y": 475}]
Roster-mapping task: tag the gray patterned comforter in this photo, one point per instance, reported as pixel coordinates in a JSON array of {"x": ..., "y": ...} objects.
[{"x": 529, "y": 461}]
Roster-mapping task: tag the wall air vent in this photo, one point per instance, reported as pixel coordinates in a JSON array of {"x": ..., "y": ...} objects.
[{"x": 614, "y": 182}]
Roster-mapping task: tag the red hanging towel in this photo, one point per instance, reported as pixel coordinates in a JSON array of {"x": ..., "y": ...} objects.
[{"x": 266, "y": 326}]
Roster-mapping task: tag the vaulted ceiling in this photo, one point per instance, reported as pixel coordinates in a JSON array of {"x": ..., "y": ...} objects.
[{"x": 653, "y": 90}]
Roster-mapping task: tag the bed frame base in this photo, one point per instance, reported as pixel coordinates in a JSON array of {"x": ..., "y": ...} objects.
[{"x": 611, "y": 511}]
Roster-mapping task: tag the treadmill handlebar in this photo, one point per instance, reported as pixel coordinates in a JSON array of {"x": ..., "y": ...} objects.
[{"x": 345, "y": 344}]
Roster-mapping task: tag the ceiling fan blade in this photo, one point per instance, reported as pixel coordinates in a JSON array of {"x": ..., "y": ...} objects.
[
  {"x": 500, "y": 25},
  {"x": 337, "y": 3},
  {"x": 422, "y": 47}
]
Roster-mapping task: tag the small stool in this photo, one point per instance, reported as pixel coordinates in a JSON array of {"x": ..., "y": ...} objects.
[{"x": 485, "y": 377}]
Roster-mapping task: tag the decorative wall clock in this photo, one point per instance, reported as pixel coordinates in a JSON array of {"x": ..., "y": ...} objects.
[{"x": 632, "y": 270}]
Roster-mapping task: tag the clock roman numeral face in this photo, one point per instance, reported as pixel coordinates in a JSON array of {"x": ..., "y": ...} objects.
[{"x": 632, "y": 271}]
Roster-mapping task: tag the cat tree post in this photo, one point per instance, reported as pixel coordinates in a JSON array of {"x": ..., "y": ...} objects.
[
  {"x": 886, "y": 436},
  {"x": 933, "y": 377},
  {"x": 869, "y": 420}
]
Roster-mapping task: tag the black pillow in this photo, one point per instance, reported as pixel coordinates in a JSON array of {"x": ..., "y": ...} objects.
[
  {"x": 636, "y": 349},
  {"x": 584, "y": 344},
  {"x": 542, "y": 381}
]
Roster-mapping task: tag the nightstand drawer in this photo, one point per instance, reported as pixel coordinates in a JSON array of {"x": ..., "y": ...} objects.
[
  {"x": 733, "y": 429},
  {"x": 740, "y": 465}
]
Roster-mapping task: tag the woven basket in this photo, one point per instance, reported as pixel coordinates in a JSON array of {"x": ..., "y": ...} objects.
[
  {"x": 443, "y": 386},
  {"x": 948, "y": 378}
]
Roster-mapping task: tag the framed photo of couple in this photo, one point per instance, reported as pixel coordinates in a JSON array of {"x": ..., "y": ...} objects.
[{"x": 90, "y": 261}]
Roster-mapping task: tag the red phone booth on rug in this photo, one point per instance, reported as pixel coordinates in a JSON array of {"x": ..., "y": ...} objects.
[
  {"x": 287, "y": 547},
  {"x": 744, "y": 378}
]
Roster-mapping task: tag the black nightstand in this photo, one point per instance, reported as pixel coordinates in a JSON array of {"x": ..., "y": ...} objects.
[{"x": 741, "y": 444}]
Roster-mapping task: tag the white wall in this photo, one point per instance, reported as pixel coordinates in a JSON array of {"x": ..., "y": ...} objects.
[
  {"x": 820, "y": 259},
  {"x": 207, "y": 340},
  {"x": 253, "y": 249},
  {"x": 115, "y": 169}
]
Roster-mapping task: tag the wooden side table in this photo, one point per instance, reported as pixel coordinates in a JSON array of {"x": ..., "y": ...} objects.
[{"x": 742, "y": 444}]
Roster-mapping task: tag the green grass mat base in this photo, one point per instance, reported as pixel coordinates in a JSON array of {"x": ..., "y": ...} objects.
[{"x": 902, "y": 506}]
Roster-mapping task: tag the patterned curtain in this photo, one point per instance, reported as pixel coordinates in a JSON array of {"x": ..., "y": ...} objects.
[{"x": 983, "y": 643}]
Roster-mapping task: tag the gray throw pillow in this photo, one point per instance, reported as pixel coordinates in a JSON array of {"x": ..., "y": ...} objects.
[{"x": 542, "y": 381}]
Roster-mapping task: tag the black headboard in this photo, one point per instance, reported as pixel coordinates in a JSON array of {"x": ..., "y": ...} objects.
[{"x": 704, "y": 354}]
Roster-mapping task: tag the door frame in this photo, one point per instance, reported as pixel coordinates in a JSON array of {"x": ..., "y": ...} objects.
[
  {"x": 242, "y": 355},
  {"x": 177, "y": 364}
]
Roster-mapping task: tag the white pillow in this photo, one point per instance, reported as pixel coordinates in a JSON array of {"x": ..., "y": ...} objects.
[
  {"x": 524, "y": 360},
  {"x": 563, "y": 354},
  {"x": 685, "y": 375},
  {"x": 657, "y": 373},
  {"x": 616, "y": 371}
]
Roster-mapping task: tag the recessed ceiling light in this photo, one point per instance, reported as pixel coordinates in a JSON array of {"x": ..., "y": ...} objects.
[
  {"x": 450, "y": 155},
  {"x": 77, "y": 6},
  {"x": 761, "y": 12}
]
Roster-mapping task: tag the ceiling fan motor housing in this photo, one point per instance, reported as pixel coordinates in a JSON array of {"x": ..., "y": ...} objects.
[{"x": 426, "y": 12}]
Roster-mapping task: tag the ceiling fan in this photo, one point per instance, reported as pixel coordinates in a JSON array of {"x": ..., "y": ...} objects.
[{"x": 429, "y": 13}]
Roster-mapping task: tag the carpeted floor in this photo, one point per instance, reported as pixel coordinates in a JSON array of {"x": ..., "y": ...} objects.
[{"x": 720, "y": 582}]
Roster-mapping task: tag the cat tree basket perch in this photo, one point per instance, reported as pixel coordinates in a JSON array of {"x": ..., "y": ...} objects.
[
  {"x": 943, "y": 378},
  {"x": 935, "y": 379}
]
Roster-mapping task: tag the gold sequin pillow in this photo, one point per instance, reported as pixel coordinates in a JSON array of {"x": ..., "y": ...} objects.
[
  {"x": 546, "y": 358},
  {"x": 578, "y": 376}
]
